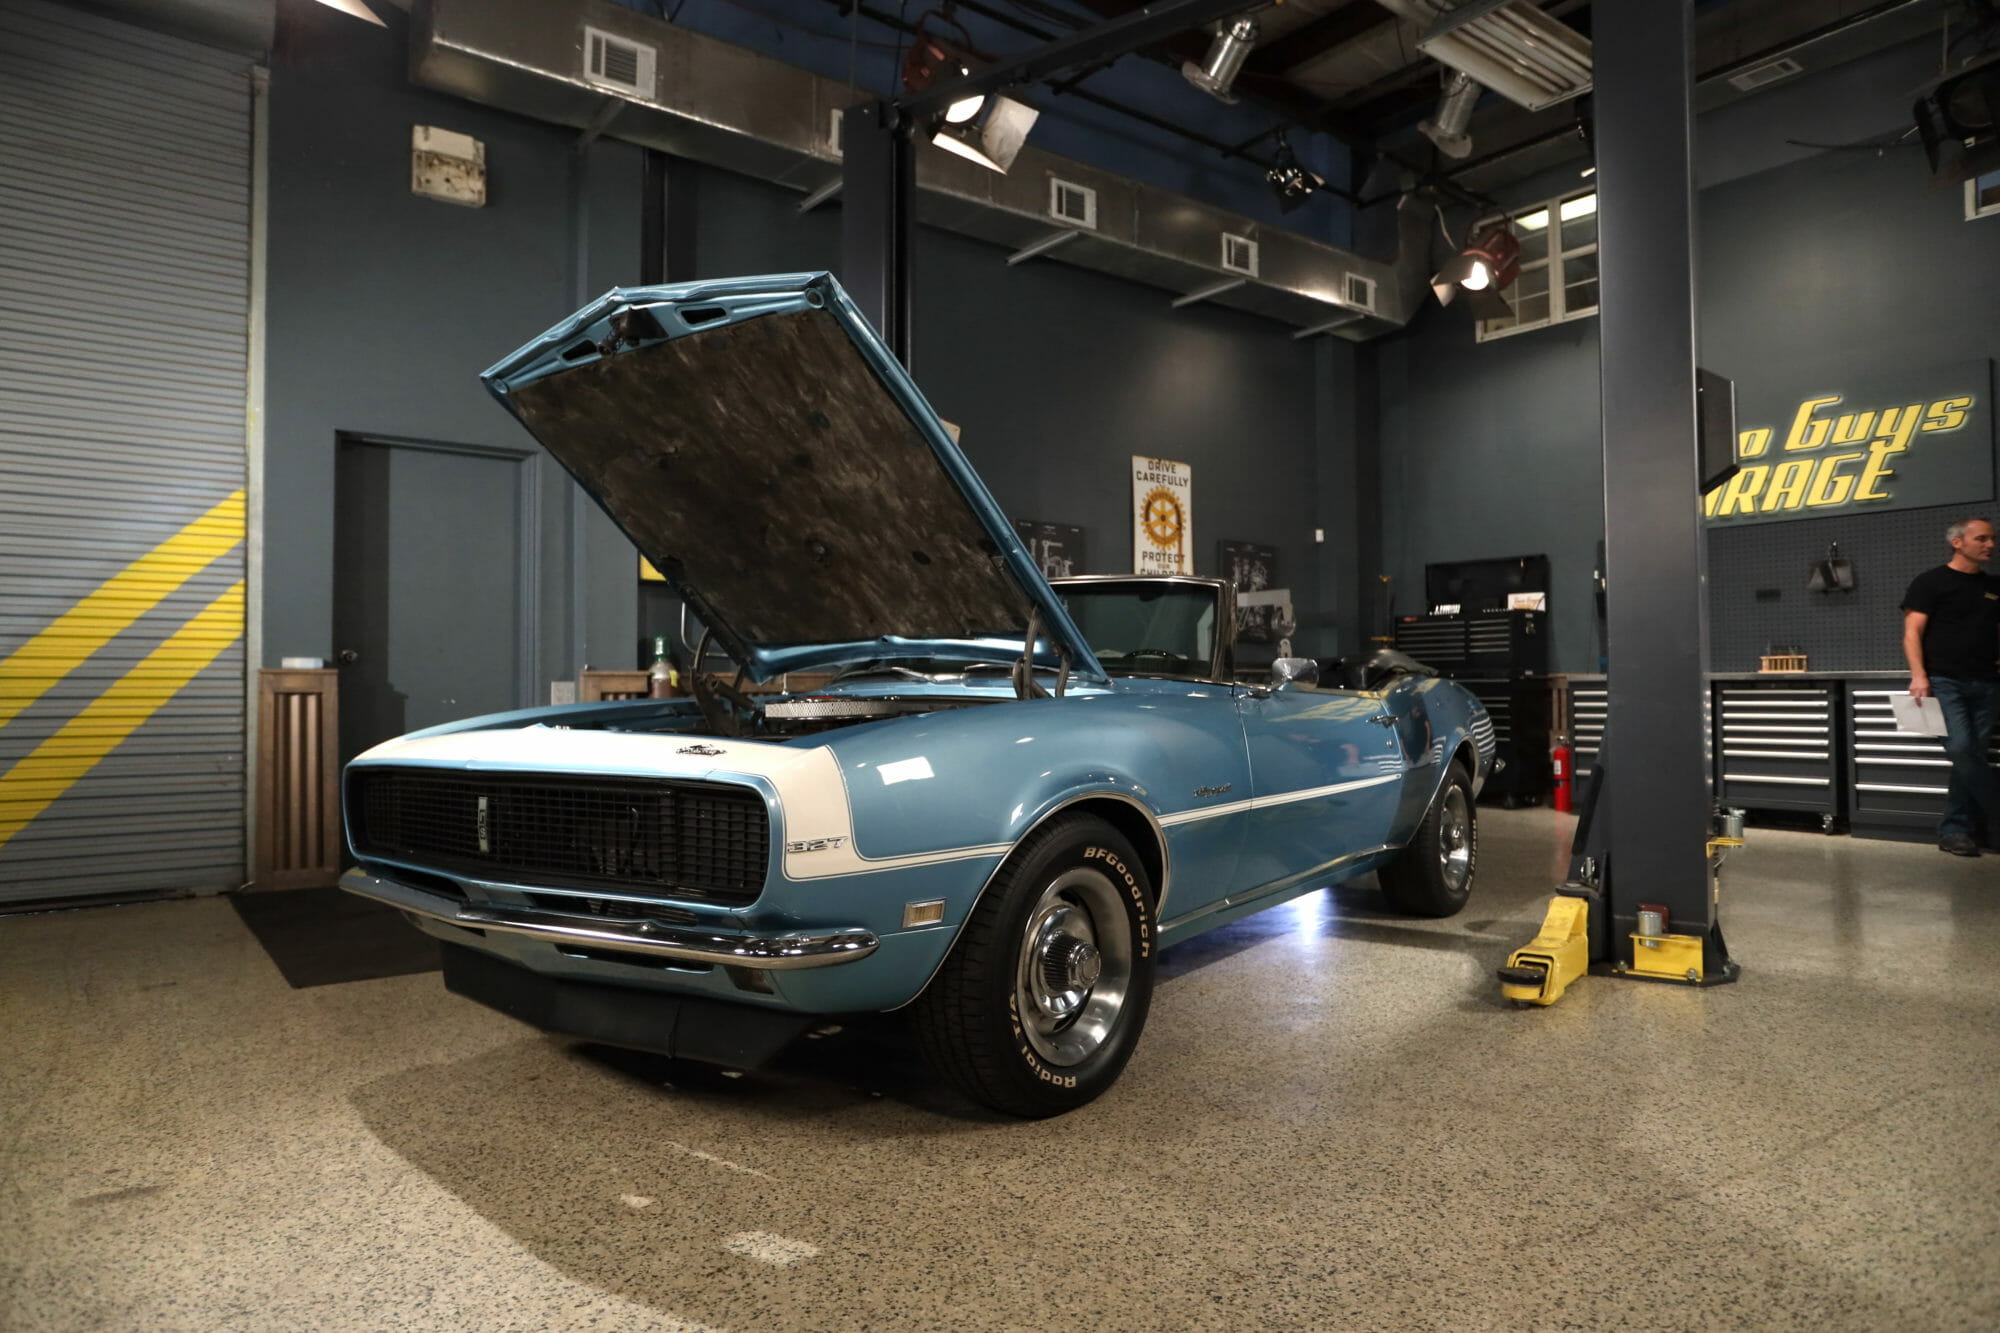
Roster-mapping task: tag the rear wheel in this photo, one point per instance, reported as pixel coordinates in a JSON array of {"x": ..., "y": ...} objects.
[
  {"x": 1041, "y": 1000},
  {"x": 1433, "y": 876}
]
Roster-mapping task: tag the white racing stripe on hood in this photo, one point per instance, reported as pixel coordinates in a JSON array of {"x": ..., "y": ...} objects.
[{"x": 812, "y": 791}]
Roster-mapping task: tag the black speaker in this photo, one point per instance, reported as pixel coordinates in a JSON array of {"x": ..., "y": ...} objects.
[{"x": 1959, "y": 119}]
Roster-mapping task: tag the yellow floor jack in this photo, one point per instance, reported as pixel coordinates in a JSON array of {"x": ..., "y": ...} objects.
[{"x": 1541, "y": 970}]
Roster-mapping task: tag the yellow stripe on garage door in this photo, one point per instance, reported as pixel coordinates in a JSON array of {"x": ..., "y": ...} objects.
[
  {"x": 54, "y": 766},
  {"x": 34, "y": 668}
]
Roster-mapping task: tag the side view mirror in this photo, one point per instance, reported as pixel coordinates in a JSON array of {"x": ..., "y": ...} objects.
[{"x": 1294, "y": 671}]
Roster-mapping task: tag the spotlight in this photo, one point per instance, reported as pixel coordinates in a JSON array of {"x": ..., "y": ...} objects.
[
  {"x": 1290, "y": 178},
  {"x": 987, "y": 130},
  {"x": 929, "y": 59},
  {"x": 355, "y": 8},
  {"x": 1447, "y": 125},
  {"x": 1959, "y": 118},
  {"x": 1488, "y": 264},
  {"x": 1224, "y": 60}
]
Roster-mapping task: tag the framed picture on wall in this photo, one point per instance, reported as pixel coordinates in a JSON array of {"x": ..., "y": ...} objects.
[
  {"x": 1251, "y": 568},
  {"x": 1056, "y": 548},
  {"x": 1162, "y": 516}
]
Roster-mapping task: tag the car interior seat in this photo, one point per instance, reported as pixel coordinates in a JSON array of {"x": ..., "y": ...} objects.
[{"x": 1374, "y": 671}]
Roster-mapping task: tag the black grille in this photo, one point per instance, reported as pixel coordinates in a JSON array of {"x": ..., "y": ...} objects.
[{"x": 694, "y": 840}]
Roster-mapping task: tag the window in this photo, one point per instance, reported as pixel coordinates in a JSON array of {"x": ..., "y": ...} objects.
[
  {"x": 1982, "y": 196},
  {"x": 1558, "y": 279}
]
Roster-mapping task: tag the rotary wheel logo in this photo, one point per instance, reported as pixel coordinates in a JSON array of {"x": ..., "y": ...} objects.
[{"x": 1162, "y": 518}]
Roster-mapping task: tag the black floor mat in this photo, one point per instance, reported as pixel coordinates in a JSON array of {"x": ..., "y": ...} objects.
[{"x": 319, "y": 937}]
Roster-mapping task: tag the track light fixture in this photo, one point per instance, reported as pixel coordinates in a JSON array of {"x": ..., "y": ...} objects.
[
  {"x": 987, "y": 128},
  {"x": 1226, "y": 54},
  {"x": 1291, "y": 179},
  {"x": 1489, "y": 263},
  {"x": 1447, "y": 126}
]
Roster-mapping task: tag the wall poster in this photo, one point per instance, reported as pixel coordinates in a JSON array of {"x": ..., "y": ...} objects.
[
  {"x": 1860, "y": 442},
  {"x": 1056, "y": 548},
  {"x": 1162, "y": 516},
  {"x": 1252, "y": 568}
]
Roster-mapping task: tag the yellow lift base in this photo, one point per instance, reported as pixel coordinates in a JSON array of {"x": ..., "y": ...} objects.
[{"x": 1540, "y": 971}]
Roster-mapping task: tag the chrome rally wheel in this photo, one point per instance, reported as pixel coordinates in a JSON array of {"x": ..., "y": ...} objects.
[
  {"x": 1042, "y": 998},
  {"x": 1455, "y": 839},
  {"x": 1433, "y": 876},
  {"x": 1073, "y": 976}
]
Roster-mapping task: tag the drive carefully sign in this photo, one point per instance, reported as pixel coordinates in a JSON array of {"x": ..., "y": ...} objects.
[{"x": 1925, "y": 441}]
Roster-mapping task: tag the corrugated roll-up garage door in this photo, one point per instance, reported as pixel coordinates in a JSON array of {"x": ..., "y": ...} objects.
[{"x": 124, "y": 288}]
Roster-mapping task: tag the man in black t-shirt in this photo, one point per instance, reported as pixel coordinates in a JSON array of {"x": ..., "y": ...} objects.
[{"x": 1951, "y": 637}]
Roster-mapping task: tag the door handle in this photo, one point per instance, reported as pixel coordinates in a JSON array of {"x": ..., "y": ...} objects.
[
  {"x": 348, "y": 657},
  {"x": 1385, "y": 719},
  {"x": 1257, "y": 692}
]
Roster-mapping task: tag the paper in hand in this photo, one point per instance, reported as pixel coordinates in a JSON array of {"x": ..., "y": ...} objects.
[{"x": 1924, "y": 717}]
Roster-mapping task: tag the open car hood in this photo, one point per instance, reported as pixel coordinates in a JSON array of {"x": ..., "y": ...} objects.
[{"x": 758, "y": 444}]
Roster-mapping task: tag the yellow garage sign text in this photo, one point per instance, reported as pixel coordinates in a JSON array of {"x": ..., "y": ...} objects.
[{"x": 1830, "y": 458}]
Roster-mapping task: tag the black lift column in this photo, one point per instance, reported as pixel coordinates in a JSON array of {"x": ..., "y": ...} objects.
[{"x": 1656, "y": 625}]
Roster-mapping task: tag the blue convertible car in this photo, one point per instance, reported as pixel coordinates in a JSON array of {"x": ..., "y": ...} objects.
[{"x": 1009, "y": 797}]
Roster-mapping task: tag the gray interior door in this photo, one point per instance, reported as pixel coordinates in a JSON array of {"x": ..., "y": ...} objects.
[{"x": 431, "y": 597}]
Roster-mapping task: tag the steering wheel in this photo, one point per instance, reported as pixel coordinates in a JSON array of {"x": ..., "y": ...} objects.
[{"x": 711, "y": 696}]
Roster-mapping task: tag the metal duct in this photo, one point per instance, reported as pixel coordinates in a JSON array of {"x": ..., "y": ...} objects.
[{"x": 573, "y": 62}]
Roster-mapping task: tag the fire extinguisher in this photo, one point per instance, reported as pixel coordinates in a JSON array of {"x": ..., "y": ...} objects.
[{"x": 1559, "y": 763}]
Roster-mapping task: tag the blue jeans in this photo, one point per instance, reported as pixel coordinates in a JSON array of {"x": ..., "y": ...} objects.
[{"x": 1972, "y": 809}]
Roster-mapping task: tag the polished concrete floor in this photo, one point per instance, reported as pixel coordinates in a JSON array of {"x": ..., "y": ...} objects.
[{"x": 1334, "y": 1122}]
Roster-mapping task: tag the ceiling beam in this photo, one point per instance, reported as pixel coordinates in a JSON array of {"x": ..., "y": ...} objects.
[
  {"x": 1283, "y": 54},
  {"x": 1273, "y": 94},
  {"x": 1142, "y": 25}
]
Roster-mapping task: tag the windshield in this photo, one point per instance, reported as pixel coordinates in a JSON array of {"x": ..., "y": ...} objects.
[{"x": 1147, "y": 629}]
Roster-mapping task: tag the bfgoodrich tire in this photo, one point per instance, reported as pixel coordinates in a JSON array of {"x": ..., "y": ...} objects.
[
  {"x": 1043, "y": 996},
  {"x": 1433, "y": 876}
]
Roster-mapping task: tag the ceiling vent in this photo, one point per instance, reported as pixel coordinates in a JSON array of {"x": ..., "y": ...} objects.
[
  {"x": 1771, "y": 71},
  {"x": 1239, "y": 255},
  {"x": 1511, "y": 46},
  {"x": 1073, "y": 203},
  {"x": 1358, "y": 292},
  {"x": 617, "y": 64}
]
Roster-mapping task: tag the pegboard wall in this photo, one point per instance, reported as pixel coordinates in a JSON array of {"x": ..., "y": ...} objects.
[{"x": 1838, "y": 631}]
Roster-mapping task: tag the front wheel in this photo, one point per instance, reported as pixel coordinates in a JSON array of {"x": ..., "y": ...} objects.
[
  {"x": 1043, "y": 996},
  {"x": 1433, "y": 876}
]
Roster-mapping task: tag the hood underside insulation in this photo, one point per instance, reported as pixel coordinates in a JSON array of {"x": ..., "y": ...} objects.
[{"x": 773, "y": 479}]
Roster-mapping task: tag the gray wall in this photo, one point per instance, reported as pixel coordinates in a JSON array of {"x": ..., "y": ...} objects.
[
  {"x": 383, "y": 307},
  {"x": 1840, "y": 261},
  {"x": 1058, "y": 375}
]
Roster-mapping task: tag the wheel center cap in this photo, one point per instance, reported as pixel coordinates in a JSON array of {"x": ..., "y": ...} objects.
[{"x": 1083, "y": 965}]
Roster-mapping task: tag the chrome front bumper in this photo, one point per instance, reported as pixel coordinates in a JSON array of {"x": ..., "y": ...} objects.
[{"x": 769, "y": 952}]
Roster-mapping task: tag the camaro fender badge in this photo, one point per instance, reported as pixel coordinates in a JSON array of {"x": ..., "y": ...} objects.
[
  {"x": 700, "y": 749},
  {"x": 815, "y": 844},
  {"x": 1223, "y": 790},
  {"x": 484, "y": 826}
]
